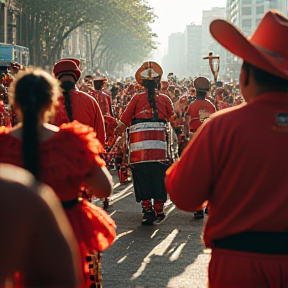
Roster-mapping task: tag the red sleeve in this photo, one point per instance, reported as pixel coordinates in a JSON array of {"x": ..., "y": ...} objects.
[
  {"x": 193, "y": 173},
  {"x": 170, "y": 108},
  {"x": 99, "y": 124},
  {"x": 128, "y": 113}
]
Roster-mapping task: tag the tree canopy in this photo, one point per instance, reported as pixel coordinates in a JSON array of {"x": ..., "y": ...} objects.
[{"x": 119, "y": 30}]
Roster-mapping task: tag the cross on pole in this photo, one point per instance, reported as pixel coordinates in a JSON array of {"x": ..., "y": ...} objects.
[{"x": 214, "y": 63}]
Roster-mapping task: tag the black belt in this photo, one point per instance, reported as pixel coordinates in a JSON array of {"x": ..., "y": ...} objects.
[
  {"x": 143, "y": 120},
  {"x": 255, "y": 242},
  {"x": 70, "y": 203}
]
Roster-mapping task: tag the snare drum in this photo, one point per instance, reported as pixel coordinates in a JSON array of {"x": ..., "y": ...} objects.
[{"x": 147, "y": 142}]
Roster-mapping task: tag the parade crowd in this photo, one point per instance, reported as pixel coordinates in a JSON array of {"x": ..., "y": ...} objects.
[{"x": 208, "y": 146}]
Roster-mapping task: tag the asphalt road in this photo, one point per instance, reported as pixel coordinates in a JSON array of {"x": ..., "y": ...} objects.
[{"x": 170, "y": 254}]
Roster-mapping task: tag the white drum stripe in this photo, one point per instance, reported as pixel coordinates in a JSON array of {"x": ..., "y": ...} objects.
[
  {"x": 147, "y": 144},
  {"x": 146, "y": 129},
  {"x": 147, "y": 126}
]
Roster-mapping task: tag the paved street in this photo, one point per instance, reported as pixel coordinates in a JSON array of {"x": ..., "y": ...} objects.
[{"x": 167, "y": 255}]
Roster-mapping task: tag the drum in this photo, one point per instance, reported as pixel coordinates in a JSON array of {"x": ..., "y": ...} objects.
[{"x": 147, "y": 142}]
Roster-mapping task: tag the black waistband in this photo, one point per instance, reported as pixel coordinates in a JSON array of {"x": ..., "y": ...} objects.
[
  {"x": 255, "y": 242},
  {"x": 70, "y": 203},
  {"x": 142, "y": 120}
]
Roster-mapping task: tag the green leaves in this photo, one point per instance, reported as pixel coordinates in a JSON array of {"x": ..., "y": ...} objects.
[{"x": 120, "y": 28}]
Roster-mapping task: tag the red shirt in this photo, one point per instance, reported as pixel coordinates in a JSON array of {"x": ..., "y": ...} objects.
[
  {"x": 199, "y": 110},
  {"x": 139, "y": 107},
  {"x": 85, "y": 110},
  {"x": 237, "y": 160},
  {"x": 104, "y": 101}
]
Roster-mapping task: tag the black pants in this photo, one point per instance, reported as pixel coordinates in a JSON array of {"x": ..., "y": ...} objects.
[{"x": 148, "y": 180}]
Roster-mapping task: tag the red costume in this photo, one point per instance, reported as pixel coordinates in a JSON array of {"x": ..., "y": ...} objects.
[
  {"x": 85, "y": 110},
  {"x": 105, "y": 102},
  {"x": 199, "y": 110},
  {"x": 237, "y": 160},
  {"x": 139, "y": 107},
  {"x": 65, "y": 159}
]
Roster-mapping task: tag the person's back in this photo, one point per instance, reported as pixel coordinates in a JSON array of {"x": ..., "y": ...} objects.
[
  {"x": 75, "y": 104},
  {"x": 199, "y": 110},
  {"x": 238, "y": 162},
  {"x": 36, "y": 241}
]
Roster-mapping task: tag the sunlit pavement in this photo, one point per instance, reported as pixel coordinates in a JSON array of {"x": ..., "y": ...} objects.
[{"x": 170, "y": 254}]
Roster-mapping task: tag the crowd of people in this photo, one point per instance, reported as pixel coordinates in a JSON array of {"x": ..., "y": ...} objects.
[{"x": 212, "y": 147}]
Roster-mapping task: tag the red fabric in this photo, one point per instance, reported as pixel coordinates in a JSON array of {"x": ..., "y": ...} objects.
[
  {"x": 199, "y": 110},
  {"x": 84, "y": 109},
  {"x": 104, "y": 100},
  {"x": 237, "y": 160},
  {"x": 148, "y": 155},
  {"x": 233, "y": 269},
  {"x": 65, "y": 159},
  {"x": 147, "y": 135},
  {"x": 139, "y": 107}
]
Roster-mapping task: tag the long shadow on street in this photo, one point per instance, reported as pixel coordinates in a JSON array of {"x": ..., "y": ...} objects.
[{"x": 167, "y": 255}]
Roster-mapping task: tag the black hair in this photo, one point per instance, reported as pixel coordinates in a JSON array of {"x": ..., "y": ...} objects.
[
  {"x": 265, "y": 78},
  {"x": 151, "y": 85},
  {"x": 67, "y": 86},
  {"x": 200, "y": 95},
  {"x": 33, "y": 91},
  {"x": 98, "y": 84}
]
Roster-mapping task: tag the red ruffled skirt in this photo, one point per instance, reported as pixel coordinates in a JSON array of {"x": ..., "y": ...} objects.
[{"x": 93, "y": 227}]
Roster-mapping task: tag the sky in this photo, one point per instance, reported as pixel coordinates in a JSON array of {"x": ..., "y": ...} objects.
[{"x": 174, "y": 15}]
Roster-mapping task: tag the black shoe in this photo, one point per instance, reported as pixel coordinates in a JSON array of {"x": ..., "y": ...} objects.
[
  {"x": 160, "y": 218},
  {"x": 149, "y": 217},
  {"x": 199, "y": 214}
]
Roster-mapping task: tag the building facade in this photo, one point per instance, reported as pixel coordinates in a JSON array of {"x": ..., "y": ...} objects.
[{"x": 192, "y": 53}]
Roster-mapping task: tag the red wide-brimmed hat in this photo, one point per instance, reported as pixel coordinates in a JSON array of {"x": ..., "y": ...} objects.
[
  {"x": 149, "y": 70},
  {"x": 267, "y": 49},
  {"x": 66, "y": 67}
]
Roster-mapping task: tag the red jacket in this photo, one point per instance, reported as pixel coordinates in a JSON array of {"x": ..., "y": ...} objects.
[
  {"x": 85, "y": 110},
  {"x": 139, "y": 107},
  {"x": 199, "y": 110},
  {"x": 237, "y": 160}
]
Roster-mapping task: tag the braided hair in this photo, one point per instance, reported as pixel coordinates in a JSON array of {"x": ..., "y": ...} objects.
[
  {"x": 151, "y": 85},
  {"x": 67, "y": 86},
  {"x": 33, "y": 92}
]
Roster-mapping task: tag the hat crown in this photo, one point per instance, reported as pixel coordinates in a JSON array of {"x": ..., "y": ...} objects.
[
  {"x": 202, "y": 83},
  {"x": 266, "y": 49},
  {"x": 277, "y": 27},
  {"x": 66, "y": 67},
  {"x": 149, "y": 70}
]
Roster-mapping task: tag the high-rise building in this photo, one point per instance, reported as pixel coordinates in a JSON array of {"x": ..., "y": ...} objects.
[
  {"x": 174, "y": 60},
  {"x": 192, "y": 53}
]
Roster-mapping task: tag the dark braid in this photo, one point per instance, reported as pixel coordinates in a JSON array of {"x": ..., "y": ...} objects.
[
  {"x": 32, "y": 93},
  {"x": 67, "y": 87},
  {"x": 151, "y": 85}
]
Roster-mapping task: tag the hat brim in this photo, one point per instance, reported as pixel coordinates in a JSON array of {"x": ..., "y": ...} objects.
[
  {"x": 76, "y": 74},
  {"x": 235, "y": 42}
]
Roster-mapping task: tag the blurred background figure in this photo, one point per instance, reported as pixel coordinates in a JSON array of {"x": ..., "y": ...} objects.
[{"x": 38, "y": 247}]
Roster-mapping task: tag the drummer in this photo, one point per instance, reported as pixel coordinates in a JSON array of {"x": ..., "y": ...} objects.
[{"x": 148, "y": 171}]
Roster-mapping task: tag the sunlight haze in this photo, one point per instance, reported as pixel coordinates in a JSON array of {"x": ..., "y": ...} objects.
[{"x": 174, "y": 15}]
